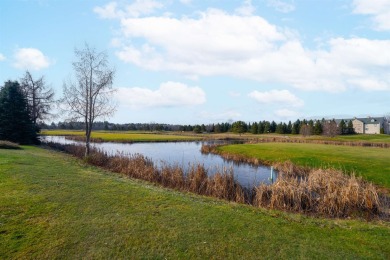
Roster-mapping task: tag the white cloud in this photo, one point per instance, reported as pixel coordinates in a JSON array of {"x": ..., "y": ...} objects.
[
  {"x": 247, "y": 9},
  {"x": 30, "y": 58},
  {"x": 277, "y": 97},
  {"x": 2, "y": 57},
  {"x": 109, "y": 11},
  {"x": 219, "y": 43},
  {"x": 282, "y": 6},
  {"x": 169, "y": 94},
  {"x": 136, "y": 9},
  {"x": 213, "y": 44},
  {"x": 286, "y": 113},
  {"x": 378, "y": 9}
]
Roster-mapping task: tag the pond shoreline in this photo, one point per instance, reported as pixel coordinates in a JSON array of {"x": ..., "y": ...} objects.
[{"x": 322, "y": 193}]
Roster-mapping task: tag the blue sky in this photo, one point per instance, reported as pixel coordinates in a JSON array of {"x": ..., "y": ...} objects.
[{"x": 193, "y": 61}]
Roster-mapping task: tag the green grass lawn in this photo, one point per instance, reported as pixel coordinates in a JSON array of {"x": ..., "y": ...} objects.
[
  {"x": 380, "y": 138},
  {"x": 371, "y": 163},
  {"x": 117, "y": 136},
  {"x": 53, "y": 206}
]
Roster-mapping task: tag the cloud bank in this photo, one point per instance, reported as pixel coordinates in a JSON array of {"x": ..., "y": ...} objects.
[
  {"x": 243, "y": 45},
  {"x": 169, "y": 94}
]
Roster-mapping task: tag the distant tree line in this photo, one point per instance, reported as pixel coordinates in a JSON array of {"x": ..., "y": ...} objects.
[{"x": 303, "y": 127}]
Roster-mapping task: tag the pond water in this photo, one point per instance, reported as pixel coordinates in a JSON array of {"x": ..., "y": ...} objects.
[{"x": 183, "y": 154}]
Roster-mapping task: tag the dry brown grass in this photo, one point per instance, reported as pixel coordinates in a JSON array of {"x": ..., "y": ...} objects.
[
  {"x": 8, "y": 145},
  {"x": 325, "y": 192},
  {"x": 320, "y": 192}
]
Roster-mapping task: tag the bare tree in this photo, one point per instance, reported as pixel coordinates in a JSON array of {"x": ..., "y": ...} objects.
[
  {"x": 40, "y": 97},
  {"x": 306, "y": 130},
  {"x": 89, "y": 97},
  {"x": 330, "y": 128}
]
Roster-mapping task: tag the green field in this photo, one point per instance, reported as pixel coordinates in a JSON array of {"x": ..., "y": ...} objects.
[
  {"x": 53, "y": 206},
  {"x": 355, "y": 138},
  {"x": 371, "y": 163},
  {"x": 118, "y": 136}
]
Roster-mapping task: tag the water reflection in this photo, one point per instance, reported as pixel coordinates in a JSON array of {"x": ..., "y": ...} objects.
[{"x": 183, "y": 154}]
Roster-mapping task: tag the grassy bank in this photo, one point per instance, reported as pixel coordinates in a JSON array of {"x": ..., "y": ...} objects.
[
  {"x": 370, "y": 163},
  {"x": 118, "y": 136},
  {"x": 53, "y": 206}
]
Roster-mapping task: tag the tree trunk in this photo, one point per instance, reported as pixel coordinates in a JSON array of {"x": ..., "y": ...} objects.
[{"x": 87, "y": 144}]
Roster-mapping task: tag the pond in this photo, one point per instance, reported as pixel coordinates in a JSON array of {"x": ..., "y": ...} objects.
[{"x": 183, "y": 154}]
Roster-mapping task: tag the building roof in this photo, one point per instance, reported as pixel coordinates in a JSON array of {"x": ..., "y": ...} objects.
[
  {"x": 365, "y": 120},
  {"x": 372, "y": 120}
]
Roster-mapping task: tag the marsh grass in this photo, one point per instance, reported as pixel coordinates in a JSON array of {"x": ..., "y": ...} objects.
[
  {"x": 320, "y": 192},
  {"x": 8, "y": 145},
  {"x": 324, "y": 192}
]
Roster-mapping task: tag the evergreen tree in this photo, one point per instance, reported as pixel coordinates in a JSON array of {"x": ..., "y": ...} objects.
[
  {"x": 260, "y": 129},
  {"x": 289, "y": 128},
  {"x": 318, "y": 128},
  {"x": 267, "y": 127},
  {"x": 15, "y": 122},
  {"x": 351, "y": 130},
  {"x": 239, "y": 127},
  {"x": 342, "y": 127},
  {"x": 272, "y": 128},
  {"x": 254, "y": 128},
  {"x": 197, "y": 129},
  {"x": 279, "y": 128},
  {"x": 296, "y": 127},
  {"x": 217, "y": 128}
]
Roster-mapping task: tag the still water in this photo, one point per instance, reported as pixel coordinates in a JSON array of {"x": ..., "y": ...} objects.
[{"x": 183, "y": 154}]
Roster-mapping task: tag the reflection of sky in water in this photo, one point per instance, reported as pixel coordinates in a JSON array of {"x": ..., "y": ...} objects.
[{"x": 183, "y": 154}]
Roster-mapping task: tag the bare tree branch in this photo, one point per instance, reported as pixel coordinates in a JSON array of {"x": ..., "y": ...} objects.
[{"x": 40, "y": 97}]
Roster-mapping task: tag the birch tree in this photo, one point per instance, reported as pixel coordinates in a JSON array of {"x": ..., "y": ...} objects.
[{"x": 89, "y": 96}]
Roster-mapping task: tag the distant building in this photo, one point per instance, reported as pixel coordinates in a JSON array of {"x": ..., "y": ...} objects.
[{"x": 368, "y": 125}]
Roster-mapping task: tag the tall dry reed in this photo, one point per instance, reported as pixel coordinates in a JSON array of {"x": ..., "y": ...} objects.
[{"x": 324, "y": 192}]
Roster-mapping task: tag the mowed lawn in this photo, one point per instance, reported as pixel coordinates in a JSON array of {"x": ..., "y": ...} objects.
[
  {"x": 372, "y": 164},
  {"x": 378, "y": 138},
  {"x": 53, "y": 206},
  {"x": 118, "y": 136}
]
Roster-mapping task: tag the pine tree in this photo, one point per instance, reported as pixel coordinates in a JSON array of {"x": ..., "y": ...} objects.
[
  {"x": 273, "y": 127},
  {"x": 318, "y": 128},
  {"x": 351, "y": 130},
  {"x": 267, "y": 127},
  {"x": 254, "y": 128},
  {"x": 342, "y": 127},
  {"x": 15, "y": 122},
  {"x": 289, "y": 127}
]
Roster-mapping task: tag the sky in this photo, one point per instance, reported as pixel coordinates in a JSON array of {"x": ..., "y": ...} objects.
[{"x": 198, "y": 61}]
